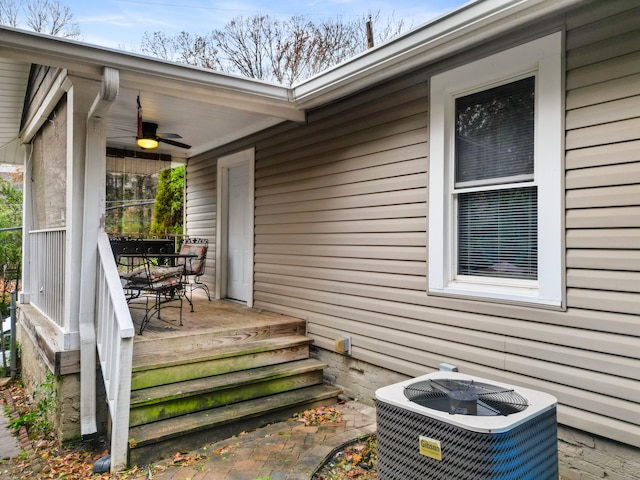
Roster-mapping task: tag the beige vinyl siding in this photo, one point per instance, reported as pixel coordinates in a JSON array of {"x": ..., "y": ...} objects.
[
  {"x": 603, "y": 194},
  {"x": 341, "y": 219},
  {"x": 341, "y": 202},
  {"x": 200, "y": 209}
]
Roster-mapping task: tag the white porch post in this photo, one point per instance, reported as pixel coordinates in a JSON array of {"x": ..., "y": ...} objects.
[
  {"x": 93, "y": 222},
  {"x": 80, "y": 94}
]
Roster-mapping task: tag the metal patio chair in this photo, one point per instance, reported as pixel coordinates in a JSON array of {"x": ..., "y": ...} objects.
[
  {"x": 154, "y": 287},
  {"x": 194, "y": 266}
]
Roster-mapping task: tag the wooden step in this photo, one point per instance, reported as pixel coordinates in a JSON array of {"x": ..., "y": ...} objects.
[
  {"x": 175, "y": 368},
  {"x": 216, "y": 338},
  {"x": 166, "y": 401},
  {"x": 160, "y": 439}
]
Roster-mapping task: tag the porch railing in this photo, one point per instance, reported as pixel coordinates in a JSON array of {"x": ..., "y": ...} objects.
[
  {"x": 114, "y": 338},
  {"x": 47, "y": 259}
]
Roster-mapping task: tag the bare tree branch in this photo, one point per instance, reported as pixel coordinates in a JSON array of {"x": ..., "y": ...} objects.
[
  {"x": 43, "y": 16},
  {"x": 269, "y": 49},
  {"x": 158, "y": 45},
  {"x": 9, "y": 13}
]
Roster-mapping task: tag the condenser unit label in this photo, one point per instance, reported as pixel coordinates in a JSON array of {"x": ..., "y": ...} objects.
[{"x": 430, "y": 447}]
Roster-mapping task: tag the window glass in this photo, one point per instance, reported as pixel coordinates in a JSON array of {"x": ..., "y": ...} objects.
[
  {"x": 494, "y": 144},
  {"x": 498, "y": 233},
  {"x": 494, "y": 135}
]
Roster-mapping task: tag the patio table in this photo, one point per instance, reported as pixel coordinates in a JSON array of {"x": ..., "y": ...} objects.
[{"x": 164, "y": 283}]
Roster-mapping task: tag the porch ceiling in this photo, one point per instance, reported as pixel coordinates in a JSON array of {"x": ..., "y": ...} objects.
[
  {"x": 13, "y": 85},
  {"x": 201, "y": 124}
]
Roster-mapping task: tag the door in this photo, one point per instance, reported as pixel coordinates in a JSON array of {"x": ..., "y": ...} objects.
[
  {"x": 234, "y": 226},
  {"x": 239, "y": 222}
]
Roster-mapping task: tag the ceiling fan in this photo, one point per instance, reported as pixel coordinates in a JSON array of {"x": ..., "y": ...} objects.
[{"x": 148, "y": 137}]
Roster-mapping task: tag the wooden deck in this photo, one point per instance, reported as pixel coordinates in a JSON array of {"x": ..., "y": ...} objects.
[{"x": 211, "y": 317}]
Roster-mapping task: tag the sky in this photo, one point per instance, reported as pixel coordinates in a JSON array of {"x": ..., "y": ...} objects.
[{"x": 122, "y": 23}]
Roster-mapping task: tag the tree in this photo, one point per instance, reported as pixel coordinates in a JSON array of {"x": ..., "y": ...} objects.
[
  {"x": 43, "y": 16},
  {"x": 10, "y": 217},
  {"x": 168, "y": 207},
  {"x": 9, "y": 13},
  {"x": 184, "y": 47},
  {"x": 266, "y": 48},
  {"x": 10, "y": 240},
  {"x": 130, "y": 199}
]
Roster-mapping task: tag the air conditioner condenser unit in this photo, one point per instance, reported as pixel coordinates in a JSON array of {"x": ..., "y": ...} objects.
[{"x": 452, "y": 426}]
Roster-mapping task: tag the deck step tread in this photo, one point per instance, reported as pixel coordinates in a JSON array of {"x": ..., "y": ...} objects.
[
  {"x": 166, "y": 430},
  {"x": 242, "y": 329},
  {"x": 152, "y": 395},
  {"x": 199, "y": 354}
]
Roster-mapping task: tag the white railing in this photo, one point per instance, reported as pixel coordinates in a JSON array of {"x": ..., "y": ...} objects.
[
  {"x": 47, "y": 260},
  {"x": 114, "y": 339}
]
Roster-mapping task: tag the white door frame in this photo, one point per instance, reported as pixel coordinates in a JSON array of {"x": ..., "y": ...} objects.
[{"x": 222, "y": 181}]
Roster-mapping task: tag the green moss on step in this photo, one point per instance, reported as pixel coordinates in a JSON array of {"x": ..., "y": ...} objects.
[
  {"x": 174, "y": 407},
  {"x": 180, "y": 373}
]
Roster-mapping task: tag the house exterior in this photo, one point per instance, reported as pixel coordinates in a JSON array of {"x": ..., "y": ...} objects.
[
  {"x": 355, "y": 217},
  {"x": 467, "y": 193}
]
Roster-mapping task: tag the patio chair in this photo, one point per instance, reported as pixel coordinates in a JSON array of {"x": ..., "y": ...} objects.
[
  {"x": 157, "y": 286},
  {"x": 194, "y": 267}
]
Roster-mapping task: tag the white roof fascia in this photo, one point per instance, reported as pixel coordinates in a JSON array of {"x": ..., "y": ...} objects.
[
  {"x": 462, "y": 28},
  {"x": 89, "y": 60}
]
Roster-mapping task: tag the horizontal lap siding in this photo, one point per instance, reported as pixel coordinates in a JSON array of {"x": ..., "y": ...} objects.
[
  {"x": 341, "y": 215},
  {"x": 341, "y": 220},
  {"x": 603, "y": 200},
  {"x": 200, "y": 209},
  {"x": 349, "y": 206}
]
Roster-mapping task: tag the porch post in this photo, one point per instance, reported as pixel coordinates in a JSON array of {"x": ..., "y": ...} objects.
[
  {"x": 79, "y": 97},
  {"x": 93, "y": 222}
]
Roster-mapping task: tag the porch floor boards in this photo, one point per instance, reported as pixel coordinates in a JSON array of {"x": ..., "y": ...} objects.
[{"x": 215, "y": 317}]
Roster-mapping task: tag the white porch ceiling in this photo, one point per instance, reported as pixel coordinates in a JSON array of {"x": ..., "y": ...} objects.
[
  {"x": 13, "y": 85},
  {"x": 203, "y": 126}
]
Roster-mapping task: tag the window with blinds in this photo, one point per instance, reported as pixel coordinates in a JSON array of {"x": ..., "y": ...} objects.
[
  {"x": 497, "y": 233},
  {"x": 495, "y": 207}
]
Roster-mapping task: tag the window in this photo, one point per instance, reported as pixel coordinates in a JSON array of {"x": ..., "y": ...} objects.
[{"x": 495, "y": 185}]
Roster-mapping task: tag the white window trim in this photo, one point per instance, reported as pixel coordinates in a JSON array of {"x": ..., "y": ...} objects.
[{"x": 542, "y": 58}]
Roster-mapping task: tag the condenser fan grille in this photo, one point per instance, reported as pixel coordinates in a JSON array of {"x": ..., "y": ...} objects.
[{"x": 465, "y": 397}]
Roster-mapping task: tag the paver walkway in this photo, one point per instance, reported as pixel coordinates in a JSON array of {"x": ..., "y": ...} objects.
[
  {"x": 9, "y": 444},
  {"x": 281, "y": 451}
]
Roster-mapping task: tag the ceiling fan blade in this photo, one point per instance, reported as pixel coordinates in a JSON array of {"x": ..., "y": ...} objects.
[
  {"x": 173, "y": 142},
  {"x": 169, "y": 135}
]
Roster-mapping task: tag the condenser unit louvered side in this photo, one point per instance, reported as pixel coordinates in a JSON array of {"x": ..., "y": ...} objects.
[
  {"x": 528, "y": 452},
  {"x": 419, "y": 443}
]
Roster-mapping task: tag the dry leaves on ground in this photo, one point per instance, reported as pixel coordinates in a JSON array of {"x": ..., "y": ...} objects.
[
  {"x": 319, "y": 416},
  {"x": 355, "y": 461}
]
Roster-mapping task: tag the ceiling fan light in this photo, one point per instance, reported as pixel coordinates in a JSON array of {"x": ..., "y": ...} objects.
[{"x": 147, "y": 143}]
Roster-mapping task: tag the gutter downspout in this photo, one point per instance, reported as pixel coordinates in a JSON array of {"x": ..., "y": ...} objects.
[{"x": 93, "y": 222}]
